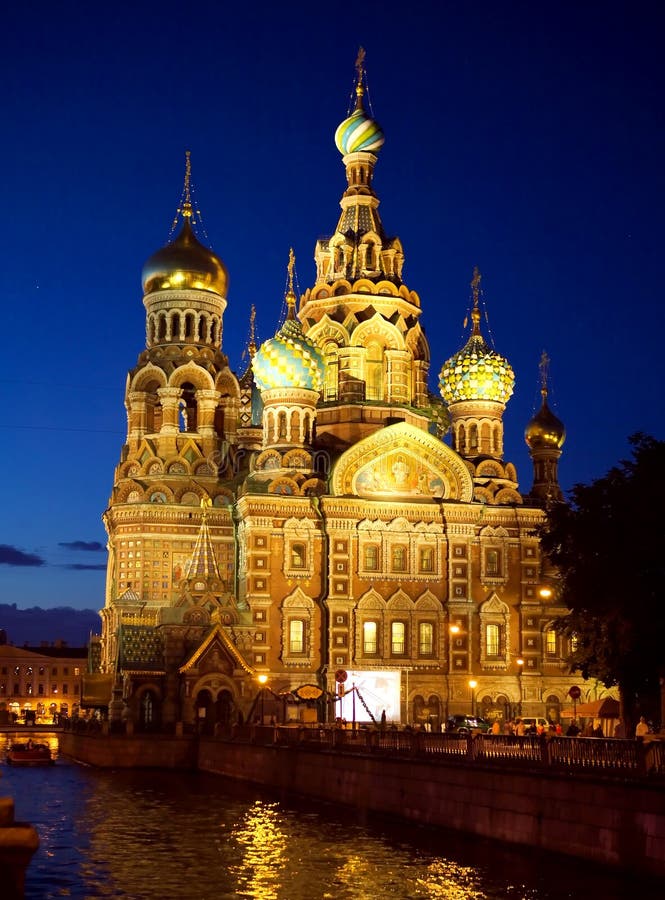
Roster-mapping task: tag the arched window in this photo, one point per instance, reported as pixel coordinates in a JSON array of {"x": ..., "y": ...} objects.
[
  {"x": 426, "y": 559},
  {"x": 374, "y": 371},
  {"x": 298, "y": 556},
  {"x": 331, "y": 370}
]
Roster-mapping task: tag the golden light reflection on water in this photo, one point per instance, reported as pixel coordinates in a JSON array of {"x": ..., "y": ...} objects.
[
  {"x": 264, "y": 844},
  {"x": 447, "y": 880}
]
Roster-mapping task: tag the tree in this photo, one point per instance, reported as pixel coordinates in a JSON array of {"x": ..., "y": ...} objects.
[{"x": 608, "y": 545}]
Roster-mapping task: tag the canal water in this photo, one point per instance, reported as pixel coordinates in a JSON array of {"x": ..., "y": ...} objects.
[{"x": 151, "y": 835}]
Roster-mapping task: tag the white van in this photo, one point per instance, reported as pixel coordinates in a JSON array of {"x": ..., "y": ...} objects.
[{"x": 540, "y": 723}]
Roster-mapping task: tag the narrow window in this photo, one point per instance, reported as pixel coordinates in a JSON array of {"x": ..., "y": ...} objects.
[
  {"x": 371, "y": 557},
  {"x": 492, "y": 634},
  {"x": 425, "y": 639},
  {"x": 369, "y": 637},
  {"x": 399, "y": 559},
  {"x": 298, "y": 556},
  {"x": 492, "y": 562},
  {"x": 550, "y": 642},
  {"x": 296, "y": 636},
  {"x": 398, "y": 638},
  {"x": 426, "y": 559}
]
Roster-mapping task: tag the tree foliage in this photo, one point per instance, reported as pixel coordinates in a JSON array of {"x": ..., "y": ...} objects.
[{"x": 608, "y": 544}]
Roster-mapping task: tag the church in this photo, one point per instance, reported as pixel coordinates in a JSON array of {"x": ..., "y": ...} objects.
[{"x": 322, "y": 536}]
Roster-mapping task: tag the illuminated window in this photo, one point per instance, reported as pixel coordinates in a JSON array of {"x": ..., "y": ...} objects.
[
  {"x": 296, "y": 636},
  {"x": 399, "y": 559},
  {"x": 426, "y": 559},
  {"x": 573, "y": 643},
  {"x": 398, "y": 638},
  {"x": 371, "y": 557},
  {"x": 492, "y": 638},
  {"x": 370, "y": 637},
  {"x": 550, "y": 642},
  {"x": 426, "y": 639},
  {"x": 298, "y": 556}
]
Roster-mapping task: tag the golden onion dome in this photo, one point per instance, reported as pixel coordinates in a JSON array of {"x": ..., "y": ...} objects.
[
  {"x": 545, "y": 430},
  {"x": 185, "y": 264}
]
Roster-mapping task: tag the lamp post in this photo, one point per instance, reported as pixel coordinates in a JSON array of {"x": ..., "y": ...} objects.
[
  {"x": 262, "y": 681},
  {"x": 473, "y": 684},
  {"x": 520, "y": 668}
]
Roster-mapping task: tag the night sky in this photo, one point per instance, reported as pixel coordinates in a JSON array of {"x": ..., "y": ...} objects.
[{"x": 525, "y": 138}]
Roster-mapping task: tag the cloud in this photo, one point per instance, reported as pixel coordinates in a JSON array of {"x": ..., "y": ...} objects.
[
  {"x": 93, "y": 546},
  {"x": 12, "y": 556},
  {"x": 84, "y": 567}
]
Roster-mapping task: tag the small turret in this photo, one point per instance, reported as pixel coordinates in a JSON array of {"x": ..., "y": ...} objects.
[{"x": 544, "y": 436}]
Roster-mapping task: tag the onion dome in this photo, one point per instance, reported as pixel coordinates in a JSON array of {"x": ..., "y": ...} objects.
[
  {"x": 289, "y": 359},
  {"x": 359, "y": 131},
  {"x": 476, "y": 372},
  {"x": 545, "y": 430},
  {"x": 185, "y": 264}
]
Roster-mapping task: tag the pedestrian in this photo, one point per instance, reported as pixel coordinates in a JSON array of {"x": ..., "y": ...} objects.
[
  {"x": 572, "y": 730},
  {"x": 496, "y": 728},
  {"x": 598, "y": 730},
  {"x": 642, "y": 728},
  {"x": 619, "y": 730}
]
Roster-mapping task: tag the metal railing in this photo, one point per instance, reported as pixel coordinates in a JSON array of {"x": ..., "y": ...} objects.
[{"x": 605, "y": 757}]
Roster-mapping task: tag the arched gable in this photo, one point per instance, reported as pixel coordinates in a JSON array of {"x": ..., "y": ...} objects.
[
  {"x": 402, "y": 461},
  {"x": 378, "y": 328},
  {"x": 371, "y": 600},
  {"x": 192, "y": 373},
  {"x": 326, "y": 329},
  {"x": 399, "y": 600},
  {"x": 427, "y": 602}
]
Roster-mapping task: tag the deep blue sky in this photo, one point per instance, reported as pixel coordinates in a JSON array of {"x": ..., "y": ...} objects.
[{"x": 525, "y": 138}]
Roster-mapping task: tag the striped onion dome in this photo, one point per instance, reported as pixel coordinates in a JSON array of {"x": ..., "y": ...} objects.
[{"x": 359, "y": 132}]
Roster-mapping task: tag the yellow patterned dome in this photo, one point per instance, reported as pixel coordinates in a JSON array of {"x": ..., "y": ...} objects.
[
  {"x": 288, "y": 360},
  {"x": 476, "y": 372},
  {"x": 545, "y": 429},
  {"x": 185, "y": 264}
]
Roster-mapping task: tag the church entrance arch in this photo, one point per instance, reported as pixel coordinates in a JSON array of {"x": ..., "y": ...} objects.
[{"x": 224, "y": 708}]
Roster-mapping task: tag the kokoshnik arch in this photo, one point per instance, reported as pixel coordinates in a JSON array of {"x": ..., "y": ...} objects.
[{"x": 306, "y": 516}]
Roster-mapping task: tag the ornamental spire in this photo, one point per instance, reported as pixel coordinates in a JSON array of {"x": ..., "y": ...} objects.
[
  {"x": 251, "y": 343},
  {"x": 475, "y": 293},
  {"x": 544, "y": 369},
  {"x": 203, "y": 563},
  {"x": 290, "y": 295},
  {"x": 360, "y": 69}
]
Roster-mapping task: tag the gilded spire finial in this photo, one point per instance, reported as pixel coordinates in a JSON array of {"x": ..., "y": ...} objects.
[
  {"x": 360, "y": 69},
  {"x": 544, "y": 369},
  {"x": 290, "y": 294},
  {"x": 187, "y": 194},
  {"x": 475, "y": 292}
]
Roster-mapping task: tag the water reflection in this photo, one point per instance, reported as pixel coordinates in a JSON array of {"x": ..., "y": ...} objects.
[{"x": 154, "y": 835}]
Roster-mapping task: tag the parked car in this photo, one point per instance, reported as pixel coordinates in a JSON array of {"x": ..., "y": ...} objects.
[{"x": 467, "y": 724}]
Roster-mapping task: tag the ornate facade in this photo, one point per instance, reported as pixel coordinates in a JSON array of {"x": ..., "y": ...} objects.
[{"x": 307, "y": 518}]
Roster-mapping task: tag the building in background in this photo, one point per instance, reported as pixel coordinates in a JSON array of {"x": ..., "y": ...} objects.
[
  {"x": 305, "y": 524},
  {"x": 40, "y": 685}
]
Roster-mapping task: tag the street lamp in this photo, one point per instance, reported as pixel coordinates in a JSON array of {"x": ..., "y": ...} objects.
[
  {"x": 520, "y": 669},
  {"x": 262, "y": 681},
  {"x": 473, "y": 684}
]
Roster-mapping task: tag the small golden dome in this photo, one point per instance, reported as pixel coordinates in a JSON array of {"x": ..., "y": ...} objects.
[
  {"x": 545, "y": 430},
  {"x": 185, "y": 264}
]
